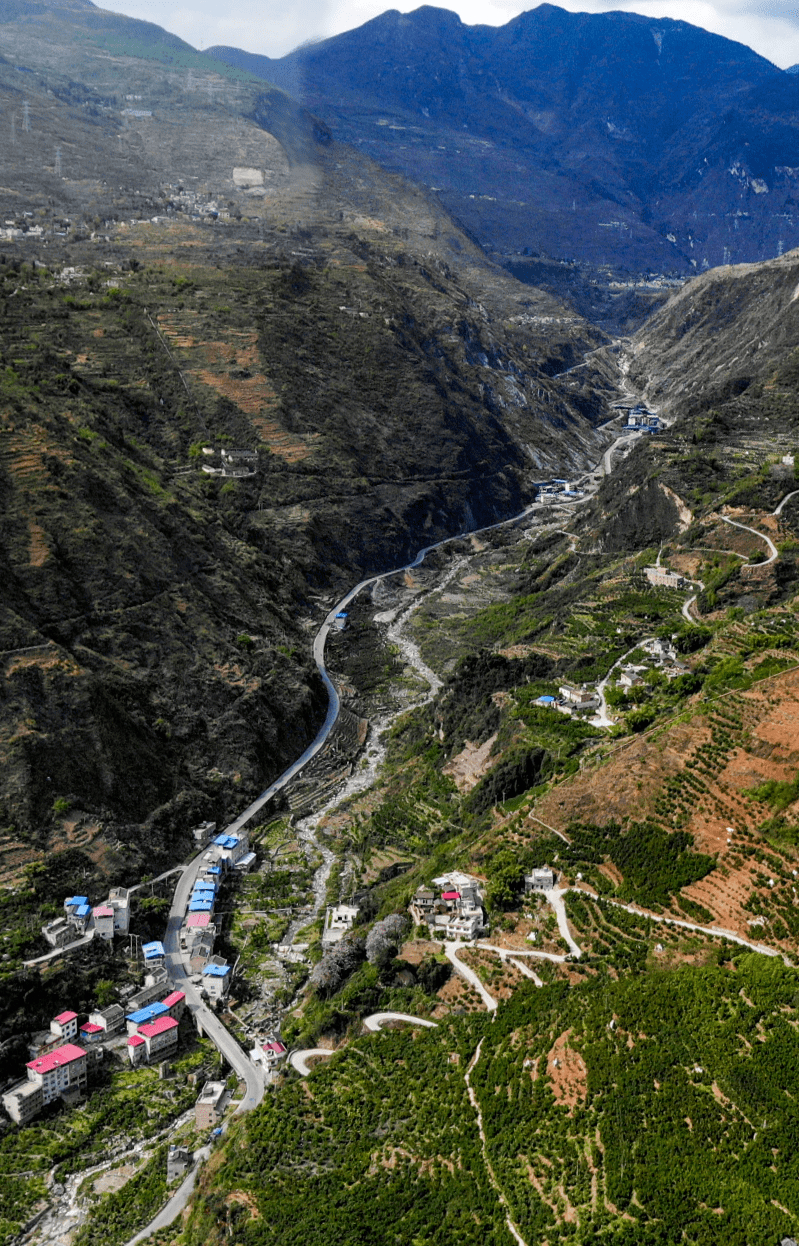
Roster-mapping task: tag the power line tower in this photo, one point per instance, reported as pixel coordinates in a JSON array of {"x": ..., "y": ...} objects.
[
  {"x": 13, "y": 127},
  {"x": 26, "y": 116},
  {"x": 58, "y": 161}
]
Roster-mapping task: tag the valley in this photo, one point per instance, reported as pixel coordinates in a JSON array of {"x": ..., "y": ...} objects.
[{"x": 492, "y": 859}]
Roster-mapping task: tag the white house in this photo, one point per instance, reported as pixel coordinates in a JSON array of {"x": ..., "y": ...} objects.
[
  {"x": 216, "y": 978},
  {"x": 24, "y": 1101},
  {"x": 65, "y": 1025},
  {"x": 59, "y": 1071},
  {"x": 338, "y": 920}
]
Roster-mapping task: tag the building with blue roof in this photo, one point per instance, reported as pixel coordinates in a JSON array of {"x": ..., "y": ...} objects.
[
  {"x": 216, "y": 978},
  {"x": 200, "y": 906},
  {"x": 153, "y": 953},
  {"x": 144, "y": 1016}
]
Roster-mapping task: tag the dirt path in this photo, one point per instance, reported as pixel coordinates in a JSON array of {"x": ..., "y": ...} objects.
[
  {"x": 716, "y": 932},
  {"x": 473, "y": 1100}
]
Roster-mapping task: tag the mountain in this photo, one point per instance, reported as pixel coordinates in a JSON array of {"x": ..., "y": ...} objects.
[
  {"x": 609, "y": 139},
  {"x": 188, "y": 259}
]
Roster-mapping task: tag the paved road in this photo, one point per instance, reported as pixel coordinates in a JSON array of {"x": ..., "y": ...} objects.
[
  {"x": 299, "y": 1059},
  {"x": 210, "y": 1024},
  {"x": 774, "y": 555},
  {"x": 451, "y": 953},
  {"x": 378, "y": 1019},
  {"x": 177, "y": 1203},
  {"x": 787, "y": 498}
]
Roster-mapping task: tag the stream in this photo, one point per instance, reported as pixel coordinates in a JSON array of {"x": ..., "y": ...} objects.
[{"x": 373, "y": 756}]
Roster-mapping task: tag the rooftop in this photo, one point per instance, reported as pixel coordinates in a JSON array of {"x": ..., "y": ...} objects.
[
  {"x": 151, "y": 950},
  {"x": 143, "y": 1015},
  {"x": 174, "y": 998},
  {"x": 102, "y": 910},
  {"x": 91, "y": 1028},
  {"x": 57, "y": 1059},
  {"x": 216, "y": 971},
  {"x": 198, "y": 919},
  {"x": 135, "y": 1040},
  {"x": 64, "y": 1017},
  {"x": 161, "y": 1026}
]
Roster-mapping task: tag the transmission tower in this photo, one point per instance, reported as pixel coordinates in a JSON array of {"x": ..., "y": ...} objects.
[
  {"x": 13, "y": 127},
  {"x": 26, "y": 116},
  {"x": 58, "y": 161}
]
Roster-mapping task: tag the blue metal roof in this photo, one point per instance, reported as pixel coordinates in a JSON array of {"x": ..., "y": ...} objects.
[
  {"x": 200, "y": 906},
  {"x": 143, "y": 1015},
  {"x": 82, "y": 910},
  {"x": 76, "y": 900},
  {"x": 153, "y": 949},
  {"x": 216, "y": 971}
]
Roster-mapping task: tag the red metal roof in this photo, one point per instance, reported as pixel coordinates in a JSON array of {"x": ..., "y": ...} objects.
[
  {"x": 91, "y": 1028},
  {"x": 174, "y": 998},
  {"x": 103, "y": 910},
  {"x": 450, "y": 895},
  {"x": 198, "y": 919},
  {"x": 64, "y": 1017},
  {"x": 278, "y": 1048},
  {"x": 57, "y": 1059},
  {"x": 135, "y": 1040},
  {"x": 158, "y": 1027}
]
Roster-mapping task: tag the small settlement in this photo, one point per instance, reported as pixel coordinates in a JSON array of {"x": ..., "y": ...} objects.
[
  {"x": 145, "y": 1026},
  {"x": 454, "y": 912}
]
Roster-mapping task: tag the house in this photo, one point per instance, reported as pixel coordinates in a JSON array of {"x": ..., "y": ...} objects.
[
  {"x": 78, "y": 912},
  {"x": 103, "y": 916},
  {"x": 629, "y": 678},
  {"x": 203, "y": 832},
  {"x": 664, "y": 578},
  {"x": 245, "y": 864},
  {"x": 144, "y": 1016},
  {"x": 339, "y": 919},
  {"x": 137, "y": 1050},
  {"x": 59, "y": 932},
  {"x": 466, "y": 924},
  {"x": 210, "y": 1105},
  {"x": 539, "y": 880},
  {"x": 578, "y": 696},
  {"x": 154, "y": 954},
  {"x": 231, "y": 848},
  {"x": 546, "y": 701},
  {"x": 341, "y": 620},
  {"x": 42, "y": 1042},
  {"x": 197, "y": 928},
  {"x": 178, "y": 1160},
  {"x": 24, "y": 1101},
  {"x": 424, "y": 902},
  {"x": 119, "y": 901},
  {"x": 110, "y": 1019},
  {"x": 175, "y": 1004},
  {"x": 274, "y": 1051},
  {"x": 216, "y": 978},
  {"x": 91, "y": 1033},
  {"x": 154, "y": 985},
  {"x": 61, "y": 1070},
  {"x": 160, "y": 1036},
  {"x": 65, "y": 1026}
]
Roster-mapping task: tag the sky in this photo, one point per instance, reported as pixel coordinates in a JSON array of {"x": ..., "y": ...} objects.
[{"x": 273, "y": 27}]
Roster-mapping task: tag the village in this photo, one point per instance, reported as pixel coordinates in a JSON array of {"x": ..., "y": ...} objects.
[{"x": 144, "y": 1027}]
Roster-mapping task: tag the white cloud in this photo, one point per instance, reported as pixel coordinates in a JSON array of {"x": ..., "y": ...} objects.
[{"x": 274, "y": 29}]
